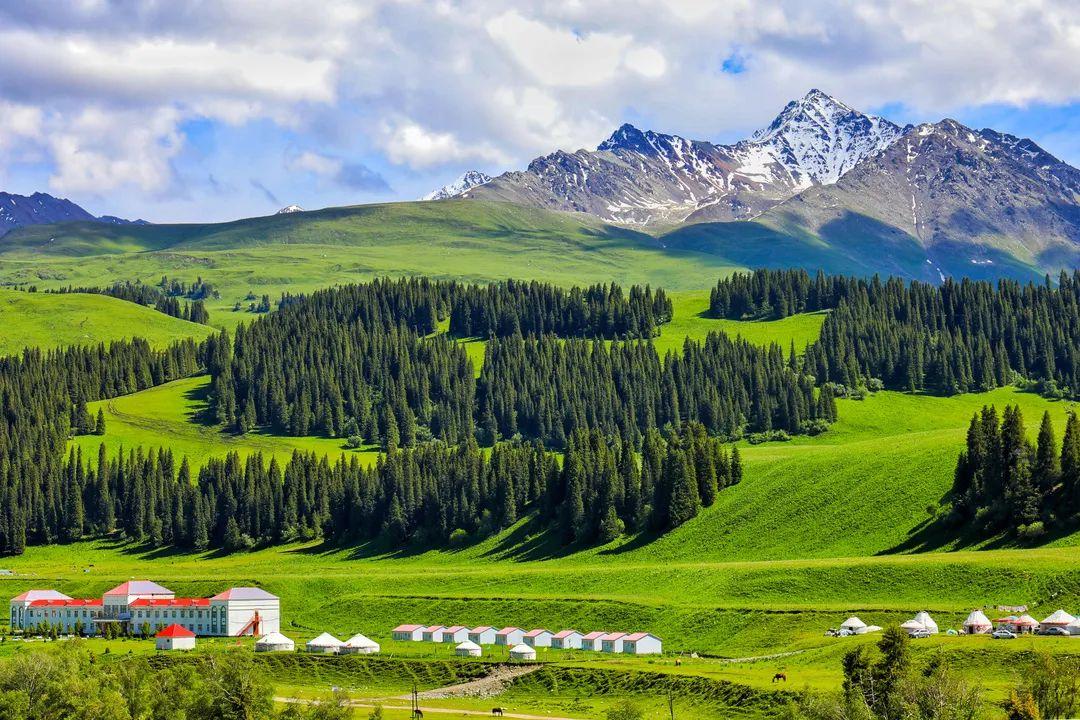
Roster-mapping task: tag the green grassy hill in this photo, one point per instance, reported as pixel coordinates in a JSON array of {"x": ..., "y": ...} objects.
[{"x": 49, "y": 321}]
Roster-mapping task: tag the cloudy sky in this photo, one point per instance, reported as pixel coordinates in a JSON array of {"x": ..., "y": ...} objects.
[{"x": 202, "y": 110}]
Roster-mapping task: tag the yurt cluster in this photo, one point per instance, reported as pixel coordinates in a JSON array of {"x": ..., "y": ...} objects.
[
  {"x": 522, "y": 644},
  {"x": 325, "y": 644},
  {"x": 976, "y": 623}
]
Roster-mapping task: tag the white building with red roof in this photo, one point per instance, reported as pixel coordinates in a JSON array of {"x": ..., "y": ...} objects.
[
  {"x": 538, "y": 638},
  {"x": 641, "y": 644},
  {"x": 612, "y": 642},
  {"x": 591, "y": 641},
  {"x": 509, "y": 636},
  {"x": 407, "y": 633},
  {"x": 566, "y": 640},
  {"x": 455, "y": 634},
  {"x": 483, "y": 635},
  {"x": 138, "y": 605},
  {"x": 175, "y": 637}
]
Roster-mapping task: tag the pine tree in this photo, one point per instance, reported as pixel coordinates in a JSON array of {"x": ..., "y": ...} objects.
[
  {"x": 684, "y": 501},
  {"x": 99, "y": 425},
  {"x": 1070, "y": 463},
  {"x": 1047, "y": 468}
]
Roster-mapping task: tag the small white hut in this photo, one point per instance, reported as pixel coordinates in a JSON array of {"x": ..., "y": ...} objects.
[
  {"x": 612, "y": 642},
  {"x": 175, "y": 637},
  {"x": 325, "y": 644},
  {"x": 912, "y": 626},
  {"x": 591, "y": 641},
  {"x": 407, "y": 632},
  {"x": 927, "y": 622},
  {"x": 483, "y": 635},
  {"x": 359, "y": 645},
  {"x": 977, "y": 623},
  {"x": 566, "y": 640},
  {"x": 509, "y": 636},
  {"x": 522, "y": 652},
  {"x": 641, "y": 644},
  {"x": 455, "y": 634},
  {"x": 852, "y": 624},
  {"x": 538, "y": 638},
  {"x": 432, "y": 633},
  {"x": 468, "y": 649},
  {"x": 274, "y": 642},
  {"x": 1059, "y": 619}
]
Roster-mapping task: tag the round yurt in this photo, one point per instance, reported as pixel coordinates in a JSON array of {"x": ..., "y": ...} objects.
[
  {"x": 274, "y": 642},
  {"x": 927, "y": 622},
  {"x": 325, "y": 643},
  {"x": 912, "y": 626},
  {"x": 853, "y": 624},
  {"x": 977, "y": 623},
  {"x": 360, "y": 645},
  {"x": 868, "y": 629},
  {"x": 468, "y": 649},
  {"x": 1026, "y": 624},
  {"x": 522, "y": 652},
  {"x": 1059, "y": 619}
]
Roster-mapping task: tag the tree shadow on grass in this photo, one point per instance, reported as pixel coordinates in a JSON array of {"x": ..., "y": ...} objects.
[{"x": 199, "y": 397}]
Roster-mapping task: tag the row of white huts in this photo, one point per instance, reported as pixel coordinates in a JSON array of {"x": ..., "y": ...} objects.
[
  {"x": 609, "y": 642},
  {"x": 977, "y": 623},
  {"x": 325, "y": 644}
]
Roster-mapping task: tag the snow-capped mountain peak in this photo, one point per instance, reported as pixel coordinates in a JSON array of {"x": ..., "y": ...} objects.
[
  {"x": 467, "y": 181},
  {"x": 289, "y": 209}
]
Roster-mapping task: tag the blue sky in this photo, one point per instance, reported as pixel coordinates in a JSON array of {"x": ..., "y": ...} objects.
[{"x": 219, "y": 110}]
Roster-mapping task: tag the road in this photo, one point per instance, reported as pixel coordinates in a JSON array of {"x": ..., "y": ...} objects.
[{"x": 430, "y": 710}]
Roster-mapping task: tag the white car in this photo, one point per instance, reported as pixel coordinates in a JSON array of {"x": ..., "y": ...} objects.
[
  {"x": 920, "y": 634},
  {"x": 1003, "y": 635}
]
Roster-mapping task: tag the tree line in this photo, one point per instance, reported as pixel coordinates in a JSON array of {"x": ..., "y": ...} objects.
[
  {"x": 1003, "y": 482},
  {"x": 157, "y": 297},
  {"x": 960, "y": 336},
  {"x": 534, "y": 308}
]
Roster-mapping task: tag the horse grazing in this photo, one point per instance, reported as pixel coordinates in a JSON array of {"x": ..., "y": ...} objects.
[
  {"x": 496, "y": 712},
  {"x": 779, "y": 676},
  {"x": 678, "y": 662}
]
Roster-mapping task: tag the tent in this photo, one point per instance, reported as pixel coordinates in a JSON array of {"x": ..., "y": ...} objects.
[
  {"x": 274, "y": 642},
  {"x": 852, "y": 624},
  {"x": 912, "y": 626},
  {"x": 522, "y": 652},
  {"x": 977, "y": 623},
  {"x": 325, "y": 643},
  {"x": 927, "y": 621},
  {"x": 468, "y": 649},
  {"x": 868, "y": 629},
  {"x": 1058, "y": 619},
  {"x": 360, "y": 645}
]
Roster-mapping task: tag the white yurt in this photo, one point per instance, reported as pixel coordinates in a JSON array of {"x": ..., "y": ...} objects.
[
  {"x": 868, "y": 629},
  {"x": 360, "y": 645},
  {"x": 325, "y": 643},
  {"x": 977, "y": 623},
  {"x": 522, "y": 652},
  {"x": 852, "y": 624},
  {"x": 927, "y": 621},
  {"x": 274, "y": 642},
  {"x": 1026, "y": 623},
  {"x": 1060, "y": 619},
  {"x": 468, "y": 649},
  {"x": 912, "y": 626}
]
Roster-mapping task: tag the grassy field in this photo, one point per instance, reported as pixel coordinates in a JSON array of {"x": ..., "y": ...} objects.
[{"x": 49, "y": 321}]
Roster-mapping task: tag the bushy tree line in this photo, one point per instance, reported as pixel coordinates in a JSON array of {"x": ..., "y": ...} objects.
[
  {"x": 148, "y": 295},
  {"x": 534, "y": 308},
  {"x": 547, "y": 388},
  {"x": 775, "y": 294},
  {"x": 433, "y": 494},
  {"x": 1004, "y": 482},
  {"x": 198, "y": 290},
  {"x": 43, "y": 400},
  {"x": 69, "y": 681},
  {"x": 955, "y": 337},
  {"x": 195, "y": 312}
]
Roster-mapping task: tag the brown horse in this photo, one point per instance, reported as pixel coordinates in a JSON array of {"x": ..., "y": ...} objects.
[{"x": 779, "y": 676}]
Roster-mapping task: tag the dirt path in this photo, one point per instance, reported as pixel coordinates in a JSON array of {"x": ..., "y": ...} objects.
[
  {"x": 430, "y": 710},
  {"x": 488, "y": 686}
]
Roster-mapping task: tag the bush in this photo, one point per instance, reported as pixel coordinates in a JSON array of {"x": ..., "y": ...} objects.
[
  {"x": 354, "y": 442},
  {"x": 768, "y": 436},
  {"x": 625, "y": 710},
  {"x": 1034, "y": 531},
  {"x": 459, "y": 538}
]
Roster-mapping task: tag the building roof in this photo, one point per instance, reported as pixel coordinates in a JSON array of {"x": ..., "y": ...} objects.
[
  {"x": 274, "y": 638},
  {"x": 245, "y": 593},
  {"x": 508, "y": 630},
  {"x": 523, "y": 650},
  {"x": 853, "y": 622},
  {"x": 408, "y": 628},
  {"x": 481, "y": 629},
  {"x": 170, "y": 602},
  {"x": 361, "y": 641},
  {"x": 612, "y": 637},
  {"x": 325, "y": 640},
  {"x": 455, "y": 628},
  {"x": 70, "y": 602},
  {"x": 139, "y": 587},
  {"x": 595, "y": 635},
  {"x": 32, "y": 595},
  {"x": 536, "y": 633},
  {"x": 1060, "y": 617},
  {"x": 977, "y": 618},
  {"x": 563, "y": 634},
  {"x": 634, "y": 637},
  {"x": 434, "y": 628},
  {"x": 175, "y": 631}
]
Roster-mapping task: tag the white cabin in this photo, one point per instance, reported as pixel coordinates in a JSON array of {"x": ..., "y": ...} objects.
[
  {"x": 641, "y": 644},
  {"x": 566, "y": 640}
]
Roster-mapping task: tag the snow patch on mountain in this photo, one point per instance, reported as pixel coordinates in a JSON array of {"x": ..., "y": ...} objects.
[
  {"x": 466, "y": 182},
  {"x": 289, "y": 209}
]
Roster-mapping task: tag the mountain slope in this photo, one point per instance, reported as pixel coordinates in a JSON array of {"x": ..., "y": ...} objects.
[
  {"x": 41, "y": 209},
  {"x": 647, "y": 178}
]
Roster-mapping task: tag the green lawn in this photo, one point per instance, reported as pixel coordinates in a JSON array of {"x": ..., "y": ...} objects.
[{"x": 49, "y": 321}]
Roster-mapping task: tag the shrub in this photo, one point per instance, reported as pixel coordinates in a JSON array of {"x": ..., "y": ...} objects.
[
  {"x": 1033, "y": 531},
  {"x": 459, "y": 538}
]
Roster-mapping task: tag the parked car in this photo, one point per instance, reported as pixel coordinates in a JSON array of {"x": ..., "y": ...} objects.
[
  {"x": 1003, "y": 635},
  {"x": 920, "y": 634},
  {"x": 1054, "y": 631}
]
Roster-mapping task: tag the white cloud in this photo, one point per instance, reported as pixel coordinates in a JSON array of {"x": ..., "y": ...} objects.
[
  {"x": 313, "y": 162},
  {"x": 408, "y": 143},
  {"x": 18, "y": 122},
  {"x": 647, "y": 61}
]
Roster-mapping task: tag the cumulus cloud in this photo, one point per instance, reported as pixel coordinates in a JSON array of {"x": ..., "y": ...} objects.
[
  {"x": 105, "y": 89},
  {"x": 352, "y": 175}
]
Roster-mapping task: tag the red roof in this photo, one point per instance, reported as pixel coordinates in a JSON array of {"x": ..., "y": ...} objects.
[
  {"x": 508, "y": 630},
  {"x": 78, "y": 602},
  {"x": 408, "y": 628},
  {"x": 170, "y": 602},
  {"x": 32, "y": 595},
  {"x": 639, "y": 636},
  {"x": 612, "y": 637},
  {"x": 175, "y": 631},
  {"x": 565, "y": 634},
  {"x": 536, "y": 633},
  {"x": 481, "y": 629},
  {"x": 594, "y": 635},
  {"x": 454, "y": 628},
  {"x": 140, "y": 587}
]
